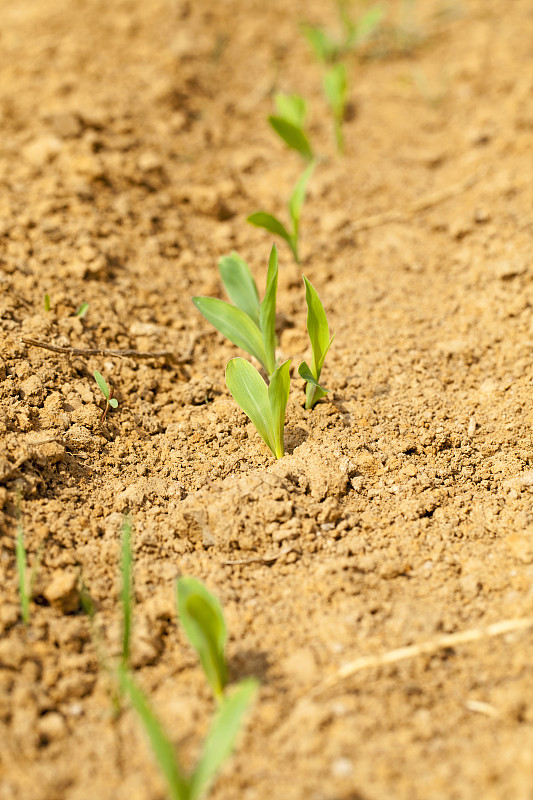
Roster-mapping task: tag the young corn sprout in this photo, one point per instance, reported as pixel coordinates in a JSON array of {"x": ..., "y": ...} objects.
[
  {"x": 263, "y": 405},
  {"x": 203, "y": 620},
  {"x": 328, "y": 49},
  {"x": 336, "y": 91},
  {"x": 110, "y": 401},
  {"x": 249, "y": 323},
  {"x": 21, "y": 560},
  {"x": 289, "y": 123},
  {"x": 318, "y": 330},
  {"x": 261, "y": 219}
]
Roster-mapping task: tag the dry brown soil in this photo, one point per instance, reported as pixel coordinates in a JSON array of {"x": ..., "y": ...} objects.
[{"x": 134, "y": 143}]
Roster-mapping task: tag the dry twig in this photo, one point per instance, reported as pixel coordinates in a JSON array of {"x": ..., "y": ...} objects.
[
  {"x": 425, "y": 648},
  {"x": 103, "y": 351}
]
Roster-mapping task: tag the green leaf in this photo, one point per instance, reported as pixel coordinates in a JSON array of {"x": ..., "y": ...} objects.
[
  {"x": 82, "y": 310},
  {"x": 278, "y": 394},
  {"x": 113, "y": 402},
  {"x": 47, "y": 303},
  {"x": 20, "y": 556},
  {"x": 335, "y": 88},
  {"x": 126, "y": 593},
  {"x": 202, "y": 617},
  {"x": 263, "y": 220},
  {"x": 298, "y": 197},
  {"x": 178, "y": 785},
  {"x": 222, "y": 735},
  {"x": 233, "y": 323},
  {"x": 292, "y": 135},
  {"x": 240, "y": 285},
  {"x": 365, "y": 27},
  {"x": 250, "y": 392},
  {"x": 317, "y": 327},
  {"x": 291, "y": 107},
  {"x": 322, "y": 45},
  {"x": 104, "y": 388},
  {"x": 313, "y": 391},
  {"x": 267, "y": 314},
  {"x": 304, "y": 371}
]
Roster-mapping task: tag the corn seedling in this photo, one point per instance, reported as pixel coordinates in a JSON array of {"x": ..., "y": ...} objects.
[
  {"x": 262, "y": 219},
  {"x": 265, "y": 406},
  {"x": 110, "y": 401},
  {"x": 249, "y": 323},
  {"x": 318, "y": 330},
  {"x": 329, "y": 49},
  {"x": 47, "y": 303},
  {"x": 289, "y": 122},
  {"x": 336, "y": 90}
]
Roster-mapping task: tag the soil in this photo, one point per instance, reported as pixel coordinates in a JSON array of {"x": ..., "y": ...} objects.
[{"x": 134, "y": 145}]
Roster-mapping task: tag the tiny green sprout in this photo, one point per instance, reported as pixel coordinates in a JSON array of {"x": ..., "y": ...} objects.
[
  {"x": 328, "y": 50},
  {"x": 261, "y": 219},
  {"x": 82, "y": 310},
  {"x": 20, "y": 556},
  {"x": 264, "y": 406},
  {"x": 336, "y": 90},
  {"x": 289, "y": 123},
  {"x": 108, "y": 394},
  {"x": 47, "y": 303},
  {"x": 202, "y": 618},
  {"x": 249, "y": 323},
  {"x": 318, "y": 330}
]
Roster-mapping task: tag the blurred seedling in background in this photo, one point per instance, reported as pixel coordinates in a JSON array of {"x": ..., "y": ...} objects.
[
  {"x": 47, "y": 303},
  {"x": 336, "y": 91},
  {"x": 82, "y": 310},
  {"x": 261, "y": 219},
  {"x": 25, "y": 582},
  {"x": 355, "y": 34},
  {"x": 263, "y": 405},
  {"x": 289, "y": 123},
  {"x": 108, "y": 394},
  {"x": 249, "y": 323},
  {"x": 318, "y": 330}
]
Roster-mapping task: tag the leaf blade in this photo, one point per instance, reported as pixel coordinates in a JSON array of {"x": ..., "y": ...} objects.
[
  {"x": 291, "y": 107},
  {"x": 222, "y": 734},
  {"x": 234, "y": 324},
  {"x": 100, "y": 380},
  {"x": 317, "y": 328},
  {"x": 250, "y": 392},
  {"x": 278, "y": 395},
  {"x": 202, "y": 618},
  {"x": 292, "y": 135},
  {"x": 298, "y": 196},
  {"x": 240, "y": 285},
  {"x": 261, "y": 219},
  {"x": 267, "y": 312}
]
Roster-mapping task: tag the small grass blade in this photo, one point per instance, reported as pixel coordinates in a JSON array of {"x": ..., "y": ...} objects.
[
  {"x": 20, "y": 556},
  {"x": 233, "y": 323},
  {"x": 126, "y": 592},
  {"x": 47, "y": 303},
  {"x": 163, "y": 749},
  {"x": 82, "y": 310},
  {"x": 250, "y": 392},
  {"x": 221, "y": 737},
  {"x": 293, "y": 136},
  {"x": 104, "y": 388},
  {"x": 318, "y": 330},
  {"x": 202, "y": 618},
  {"x": 278, "y": 395},
  {"x": 291, "y": 107},
  {"x": 267, "y": 312},
  {"x": 240, "y": 284}
]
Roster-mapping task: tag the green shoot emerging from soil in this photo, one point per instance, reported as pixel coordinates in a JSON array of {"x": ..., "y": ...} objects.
[
  {"x": 47, "y": 302},
  {"x": 20, "y": 555},
  {"x": 249, "y": 323},
  {"x": 265, "y": 406},
  {"x": 261, "y": 219},
  {"x": 318, "y": 330},
  {"x": 336, "y": 89},
  {"x": 202, "y": 617},
  {"x": 82, "y": 310},
  {"x": 289, "y": 123},
  {"x": 329, "y": 49},
  {"x": 108, "y": 394}
]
